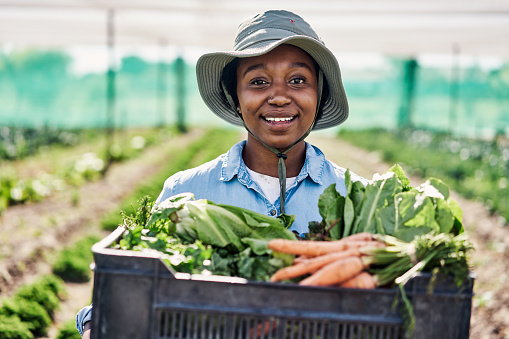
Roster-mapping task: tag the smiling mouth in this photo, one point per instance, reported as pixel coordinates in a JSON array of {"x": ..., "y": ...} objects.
[{"x": 273, "y": 119}]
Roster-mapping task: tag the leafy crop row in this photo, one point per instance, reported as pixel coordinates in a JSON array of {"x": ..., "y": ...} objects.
[
  {"x": 73, "y": 172},
  {"x": 476, "y": 169},
  {"x": 30, "y": 311},
  {"x": 20, "y": 142}
]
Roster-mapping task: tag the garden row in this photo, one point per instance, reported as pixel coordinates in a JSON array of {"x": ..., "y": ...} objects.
[
  {"x": 476, "y": 169},
  {"x": 76, "y": 157},
  {"x": 21, "y": 142},
  {"x": 72, "y": 264}
]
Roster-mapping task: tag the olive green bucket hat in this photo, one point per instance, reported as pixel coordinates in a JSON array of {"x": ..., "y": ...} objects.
[{"x": 259, "y": 35}]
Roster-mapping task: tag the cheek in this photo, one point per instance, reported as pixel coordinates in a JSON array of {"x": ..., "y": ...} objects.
[
  {"x": 311, "y": 101},
  {"x": 249, "y": 101}
]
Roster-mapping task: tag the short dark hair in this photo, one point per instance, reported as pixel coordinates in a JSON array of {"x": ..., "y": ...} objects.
[{"x": 229, "y": 80}]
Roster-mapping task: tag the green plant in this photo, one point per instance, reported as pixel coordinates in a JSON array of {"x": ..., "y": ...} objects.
[
  {"x": 196, "y": 235},
  {"x": 11, "y": 327},
  {"x": 388, "y": 205},
  {"x": 54, "y": 284},
  {"x": 41, "y": 294},
  {"x": 68, "y": 331},
  {"x": 31, "y": 308},
  {"x": 20, "y": 142},
  {"x": 73, "y": 262},
  {"x": 28, "y": 311}
]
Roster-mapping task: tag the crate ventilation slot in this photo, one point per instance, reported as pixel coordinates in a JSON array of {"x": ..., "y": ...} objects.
[{"x": 209, "y": 325}]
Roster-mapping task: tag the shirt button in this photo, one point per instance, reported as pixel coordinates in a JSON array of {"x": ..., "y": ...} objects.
[{"x": 273, "y": 212}]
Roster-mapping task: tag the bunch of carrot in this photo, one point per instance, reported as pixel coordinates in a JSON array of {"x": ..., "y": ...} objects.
[
  {"x": 328, "y": 263},
  {"x": 366, "y": 260}
]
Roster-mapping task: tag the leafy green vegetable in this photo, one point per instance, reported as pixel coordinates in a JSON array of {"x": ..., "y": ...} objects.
[
  {"x": 199, "y": 236},
  {"x": 216, "y": 224},
  {"x": 388, "y": 205}
]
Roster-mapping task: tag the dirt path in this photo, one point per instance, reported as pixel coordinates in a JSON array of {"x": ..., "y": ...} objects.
[
  {"x": 30, "y": 234},
  {"x": 490, "y": 314}
]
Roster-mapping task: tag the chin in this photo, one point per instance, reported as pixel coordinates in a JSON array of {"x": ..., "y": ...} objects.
[{"x": 282, "y": 145}]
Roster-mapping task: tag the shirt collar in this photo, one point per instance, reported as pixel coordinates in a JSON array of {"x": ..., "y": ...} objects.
[
  {"x": 232, "y": 161},
  {"x": 313, "y": 165}
]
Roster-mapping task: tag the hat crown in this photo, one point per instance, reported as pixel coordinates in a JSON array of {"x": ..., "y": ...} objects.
[{"x": 271, "y": 25}]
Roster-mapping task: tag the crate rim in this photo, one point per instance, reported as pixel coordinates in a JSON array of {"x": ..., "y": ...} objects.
[{"x": 102, "y": 247}]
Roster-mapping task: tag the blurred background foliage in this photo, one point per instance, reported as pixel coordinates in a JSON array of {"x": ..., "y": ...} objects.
[{"x": 38, "y": 88}]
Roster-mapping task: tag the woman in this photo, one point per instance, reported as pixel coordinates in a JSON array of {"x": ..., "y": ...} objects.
[{"x": 280, "y": 82}]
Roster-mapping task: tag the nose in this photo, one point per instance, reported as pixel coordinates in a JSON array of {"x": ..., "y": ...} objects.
[{"x": 279, "y": 96}]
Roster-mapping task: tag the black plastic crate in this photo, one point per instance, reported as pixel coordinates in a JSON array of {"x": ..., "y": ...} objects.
[{"x": 137, "y": 296}]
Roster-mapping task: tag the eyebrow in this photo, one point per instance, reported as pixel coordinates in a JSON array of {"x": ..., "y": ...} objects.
[
  {"x": 253, "y": 68},
  {"x": 262, "y": 66},
  {"x": 301, "y": 65}
]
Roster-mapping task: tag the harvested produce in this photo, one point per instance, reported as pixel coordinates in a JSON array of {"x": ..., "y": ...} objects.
[
  {"x": 310, "y": 265},
  {"x": 363, "y": 280},
  {"x": 381, "y": 234},
  {"x": 313, "y": 248},
  {"x": 382, "y": 261},
  {"x": 387, "y": 205},
  {"x": 201, "y": 237}
]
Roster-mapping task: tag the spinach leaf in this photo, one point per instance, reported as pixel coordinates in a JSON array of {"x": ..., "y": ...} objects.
[
  {"x": 378, "y": 194},
  {"x": 388, "y": 205}
]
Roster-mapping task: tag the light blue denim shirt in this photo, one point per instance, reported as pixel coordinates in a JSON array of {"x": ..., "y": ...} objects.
[{"x": 226, "y": 180}]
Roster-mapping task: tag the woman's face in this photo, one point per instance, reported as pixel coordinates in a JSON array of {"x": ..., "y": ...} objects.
[{"x": 277, "y": 95}]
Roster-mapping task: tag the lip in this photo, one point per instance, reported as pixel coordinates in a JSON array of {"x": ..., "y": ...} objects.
[
  {"x": 278, "y": 116},
  {"x": 279, "y": 121}
]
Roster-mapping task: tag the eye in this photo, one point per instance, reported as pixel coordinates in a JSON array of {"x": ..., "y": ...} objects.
[
  {"x": 298, "y": 81},
  {"x": 258, "y": 82}
]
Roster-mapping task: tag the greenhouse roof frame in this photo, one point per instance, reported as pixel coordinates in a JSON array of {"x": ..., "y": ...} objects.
[{"x": 390, "y": 27}]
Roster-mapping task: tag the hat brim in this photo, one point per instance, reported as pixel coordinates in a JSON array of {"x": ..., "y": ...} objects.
[{"x": 210, "y": 66}]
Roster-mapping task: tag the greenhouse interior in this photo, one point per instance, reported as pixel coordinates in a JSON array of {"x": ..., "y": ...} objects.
[{"x": 99, "y": 105}]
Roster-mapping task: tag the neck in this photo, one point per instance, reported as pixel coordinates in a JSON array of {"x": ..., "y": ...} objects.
[{"x": 260, "y": 159}]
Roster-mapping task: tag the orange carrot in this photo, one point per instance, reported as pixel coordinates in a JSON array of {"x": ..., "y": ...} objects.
[
  {"x": 315, "y": 248},
  {"x": 336, "y": 272},
  {"x": 359, "y": 236},
  {"x": 300, "y": 258},
  {"x": 362, "y": 280},
  {"x": 311, "y": 265},
  {"x": 263, "y": 330}
]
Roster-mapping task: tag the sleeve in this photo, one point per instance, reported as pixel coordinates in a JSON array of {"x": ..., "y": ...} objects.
[
  {"x": 167, "y": 190},
  {"x": 84, "y": 315}
]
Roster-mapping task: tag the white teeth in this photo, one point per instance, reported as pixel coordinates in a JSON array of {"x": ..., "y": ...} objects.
[{"x": 278, "y": 119}]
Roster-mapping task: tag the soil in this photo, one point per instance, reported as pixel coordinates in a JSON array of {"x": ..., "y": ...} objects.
[{"x": 31, "y": 234}]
